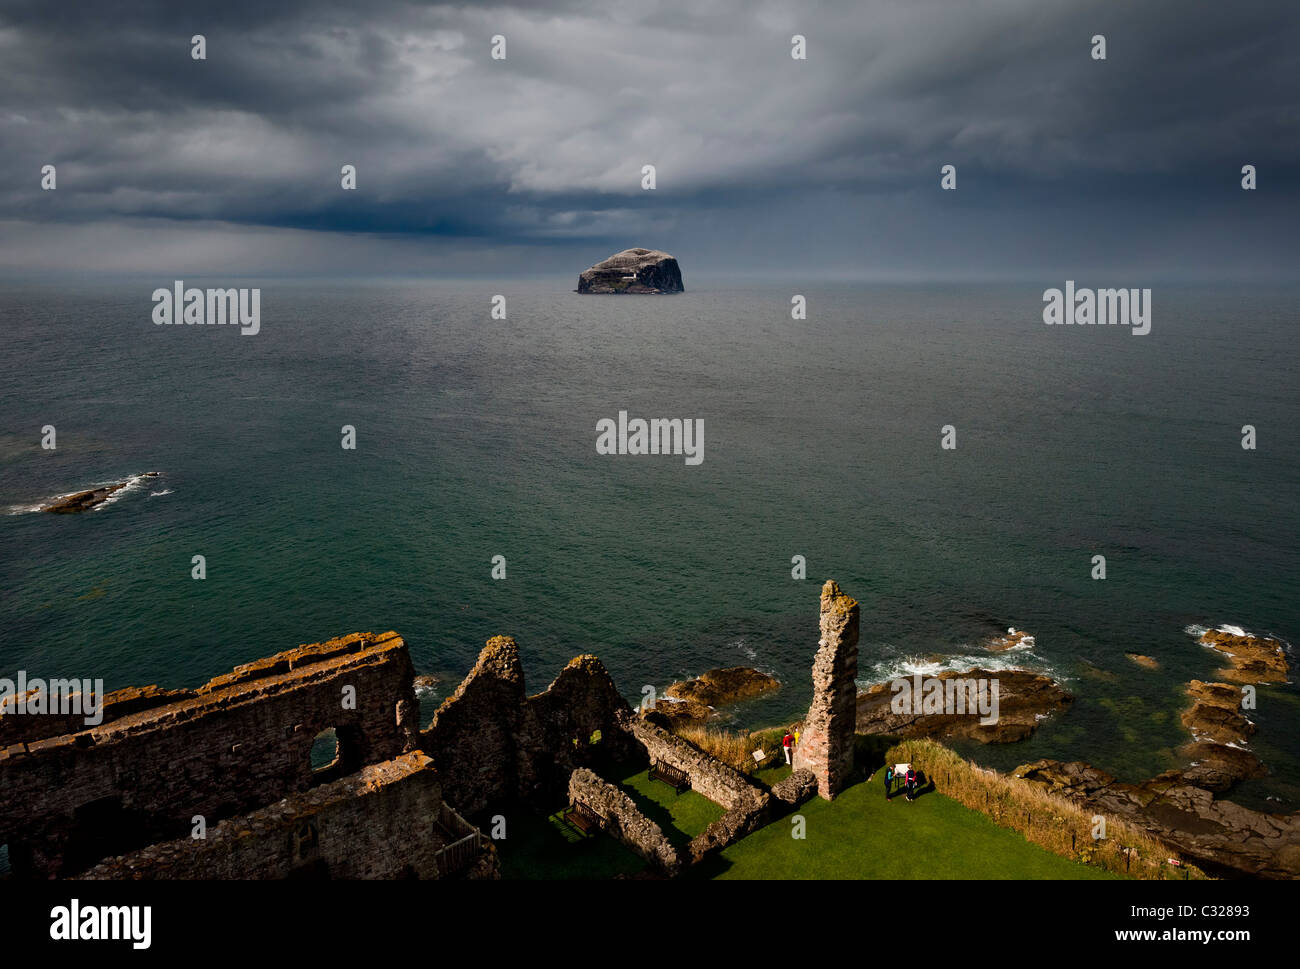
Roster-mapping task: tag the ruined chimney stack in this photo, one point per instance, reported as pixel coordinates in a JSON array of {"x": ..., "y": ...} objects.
[{"x": 826, "y": 741}]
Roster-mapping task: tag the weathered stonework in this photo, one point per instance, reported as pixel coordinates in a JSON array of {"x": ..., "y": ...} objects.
[
  {"x": 582, "y": 704},
  {"x": 472, "y": 738},
  {"x": 239, "y": 742},
  {"x": 622, "y": 820},
  {"x": 798, "y": 787},
  {"x": 492, "y": 743},
  {"x": 749, "y": 807},
  {"x": 719, "y": 782},
  {"x": 826, "y": 741},
  {"x": 363, "y": 826}
]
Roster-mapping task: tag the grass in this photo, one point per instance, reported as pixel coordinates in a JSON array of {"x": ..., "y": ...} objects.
[
  {"x": 859, "y": 835},
  {"x": 680, "y": 816},
  {"x": 736, "y": 748},
  {"x": 1046, "y": 819},
  {"x": 547, "y": 848}
]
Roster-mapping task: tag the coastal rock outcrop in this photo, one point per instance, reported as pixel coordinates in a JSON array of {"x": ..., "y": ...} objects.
[
  {"x": 1219, "y": 834},
  {"x": 1014, "y": 639},
  {"x": 633, "y": 271},
  {"x": 696, "y": 700},
  {"x": 1254, "y": 659},
  {"x": 1024, "y": 700},
  {"x": 1215, "y": 713},
  {"x": 83, "y": 500},
  {"x": 1180, "y": 806}
]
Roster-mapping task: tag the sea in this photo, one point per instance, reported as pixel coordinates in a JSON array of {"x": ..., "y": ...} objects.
[{"x": 475, "y": 444}]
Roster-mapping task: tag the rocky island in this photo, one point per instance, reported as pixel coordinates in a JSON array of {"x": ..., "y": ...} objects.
[
  {"x": 84, "y": 500},
  {"x": 697, "y": 700},
  {"x": 633, "y": 271}
]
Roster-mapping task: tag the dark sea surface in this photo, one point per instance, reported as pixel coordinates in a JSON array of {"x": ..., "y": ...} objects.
[{"x": 476, "y": 438}]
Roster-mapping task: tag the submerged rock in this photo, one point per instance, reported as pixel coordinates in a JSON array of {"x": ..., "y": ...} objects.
[
  {"x": 1014, "y": 639},
  {"x": 633, "y": 271}
]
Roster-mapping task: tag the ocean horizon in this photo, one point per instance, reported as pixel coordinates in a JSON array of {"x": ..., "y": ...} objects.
[{"x": 475, "y": 438}]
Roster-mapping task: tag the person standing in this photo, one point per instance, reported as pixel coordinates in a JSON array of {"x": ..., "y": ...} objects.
[
  {"x": 911, "y": 783},
  {"x": 889, "y": 780},
  {"x": 786, "y": 741}
]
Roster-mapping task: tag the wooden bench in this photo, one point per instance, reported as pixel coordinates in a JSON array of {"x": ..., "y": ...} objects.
[
  {"x": 582, "y": 818},
  {"x": 672, "y": 776}
]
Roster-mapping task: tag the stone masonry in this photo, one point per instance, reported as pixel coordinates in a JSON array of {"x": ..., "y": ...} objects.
[
  {"x": 622, "y": 820},
  {"x": 358, "y": 827},
  {"x": 826, "y": 741},
  {"x": 237, "y": 743},
  {"x": 490, "y": 741}
]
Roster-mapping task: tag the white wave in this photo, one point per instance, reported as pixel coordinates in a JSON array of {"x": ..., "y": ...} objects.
[
  {"x": 1232, "y": 630},
  {"x": 1196, "y": 631},
  {"x": 132, "y": 484},
  {"x": 907, "y": 666},
  {"x": 159, "y": 494}
]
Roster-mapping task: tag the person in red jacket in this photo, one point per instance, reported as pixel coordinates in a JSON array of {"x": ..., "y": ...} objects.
[{"x": 786, "y": 742}]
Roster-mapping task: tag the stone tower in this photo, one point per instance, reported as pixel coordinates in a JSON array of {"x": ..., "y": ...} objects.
[{"x": 826, "y": 741}]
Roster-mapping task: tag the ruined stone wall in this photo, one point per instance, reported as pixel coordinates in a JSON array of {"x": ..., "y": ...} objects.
[
  {"x": 377, "y": 823},
  {"x": 826, "y": 741},
  {"x": 581, "y": 703},
  {"x": 623, "y": 820},
  {"x": 491, "y": 742},
  {"x": 749, "y": 807},
  {"x": 239, "y": 742},
  {"x": 472, "y": 736},
  {"x": 719, "y": 782}
]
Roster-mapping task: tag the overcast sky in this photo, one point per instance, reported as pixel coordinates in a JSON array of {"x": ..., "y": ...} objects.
[{"x": 1065, "y": 164}]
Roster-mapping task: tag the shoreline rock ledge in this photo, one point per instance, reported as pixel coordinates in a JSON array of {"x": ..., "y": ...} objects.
[{"x": 633, "y": 271}]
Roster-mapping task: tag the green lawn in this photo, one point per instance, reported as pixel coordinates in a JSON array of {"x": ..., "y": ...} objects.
[
  {"x": 547, "y": 848},
  {"x": 859, "y": 835},
  {"x": 680, "y": 816}
]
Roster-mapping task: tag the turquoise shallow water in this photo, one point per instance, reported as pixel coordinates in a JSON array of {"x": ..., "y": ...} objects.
[{"x": 476, "y": 438}]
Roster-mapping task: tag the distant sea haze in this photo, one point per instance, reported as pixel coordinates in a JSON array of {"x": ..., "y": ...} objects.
[{"x": 474, "y": 439}]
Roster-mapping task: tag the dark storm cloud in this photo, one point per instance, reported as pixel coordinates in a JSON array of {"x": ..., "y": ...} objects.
[{"x": 548, "y": 145}]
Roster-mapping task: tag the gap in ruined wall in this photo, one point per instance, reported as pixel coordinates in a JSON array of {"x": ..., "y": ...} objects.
[
  {"x": 101, "y": 828},
  {"x": 324, "y": 750},
  {"x": 334, "y": 754}
]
